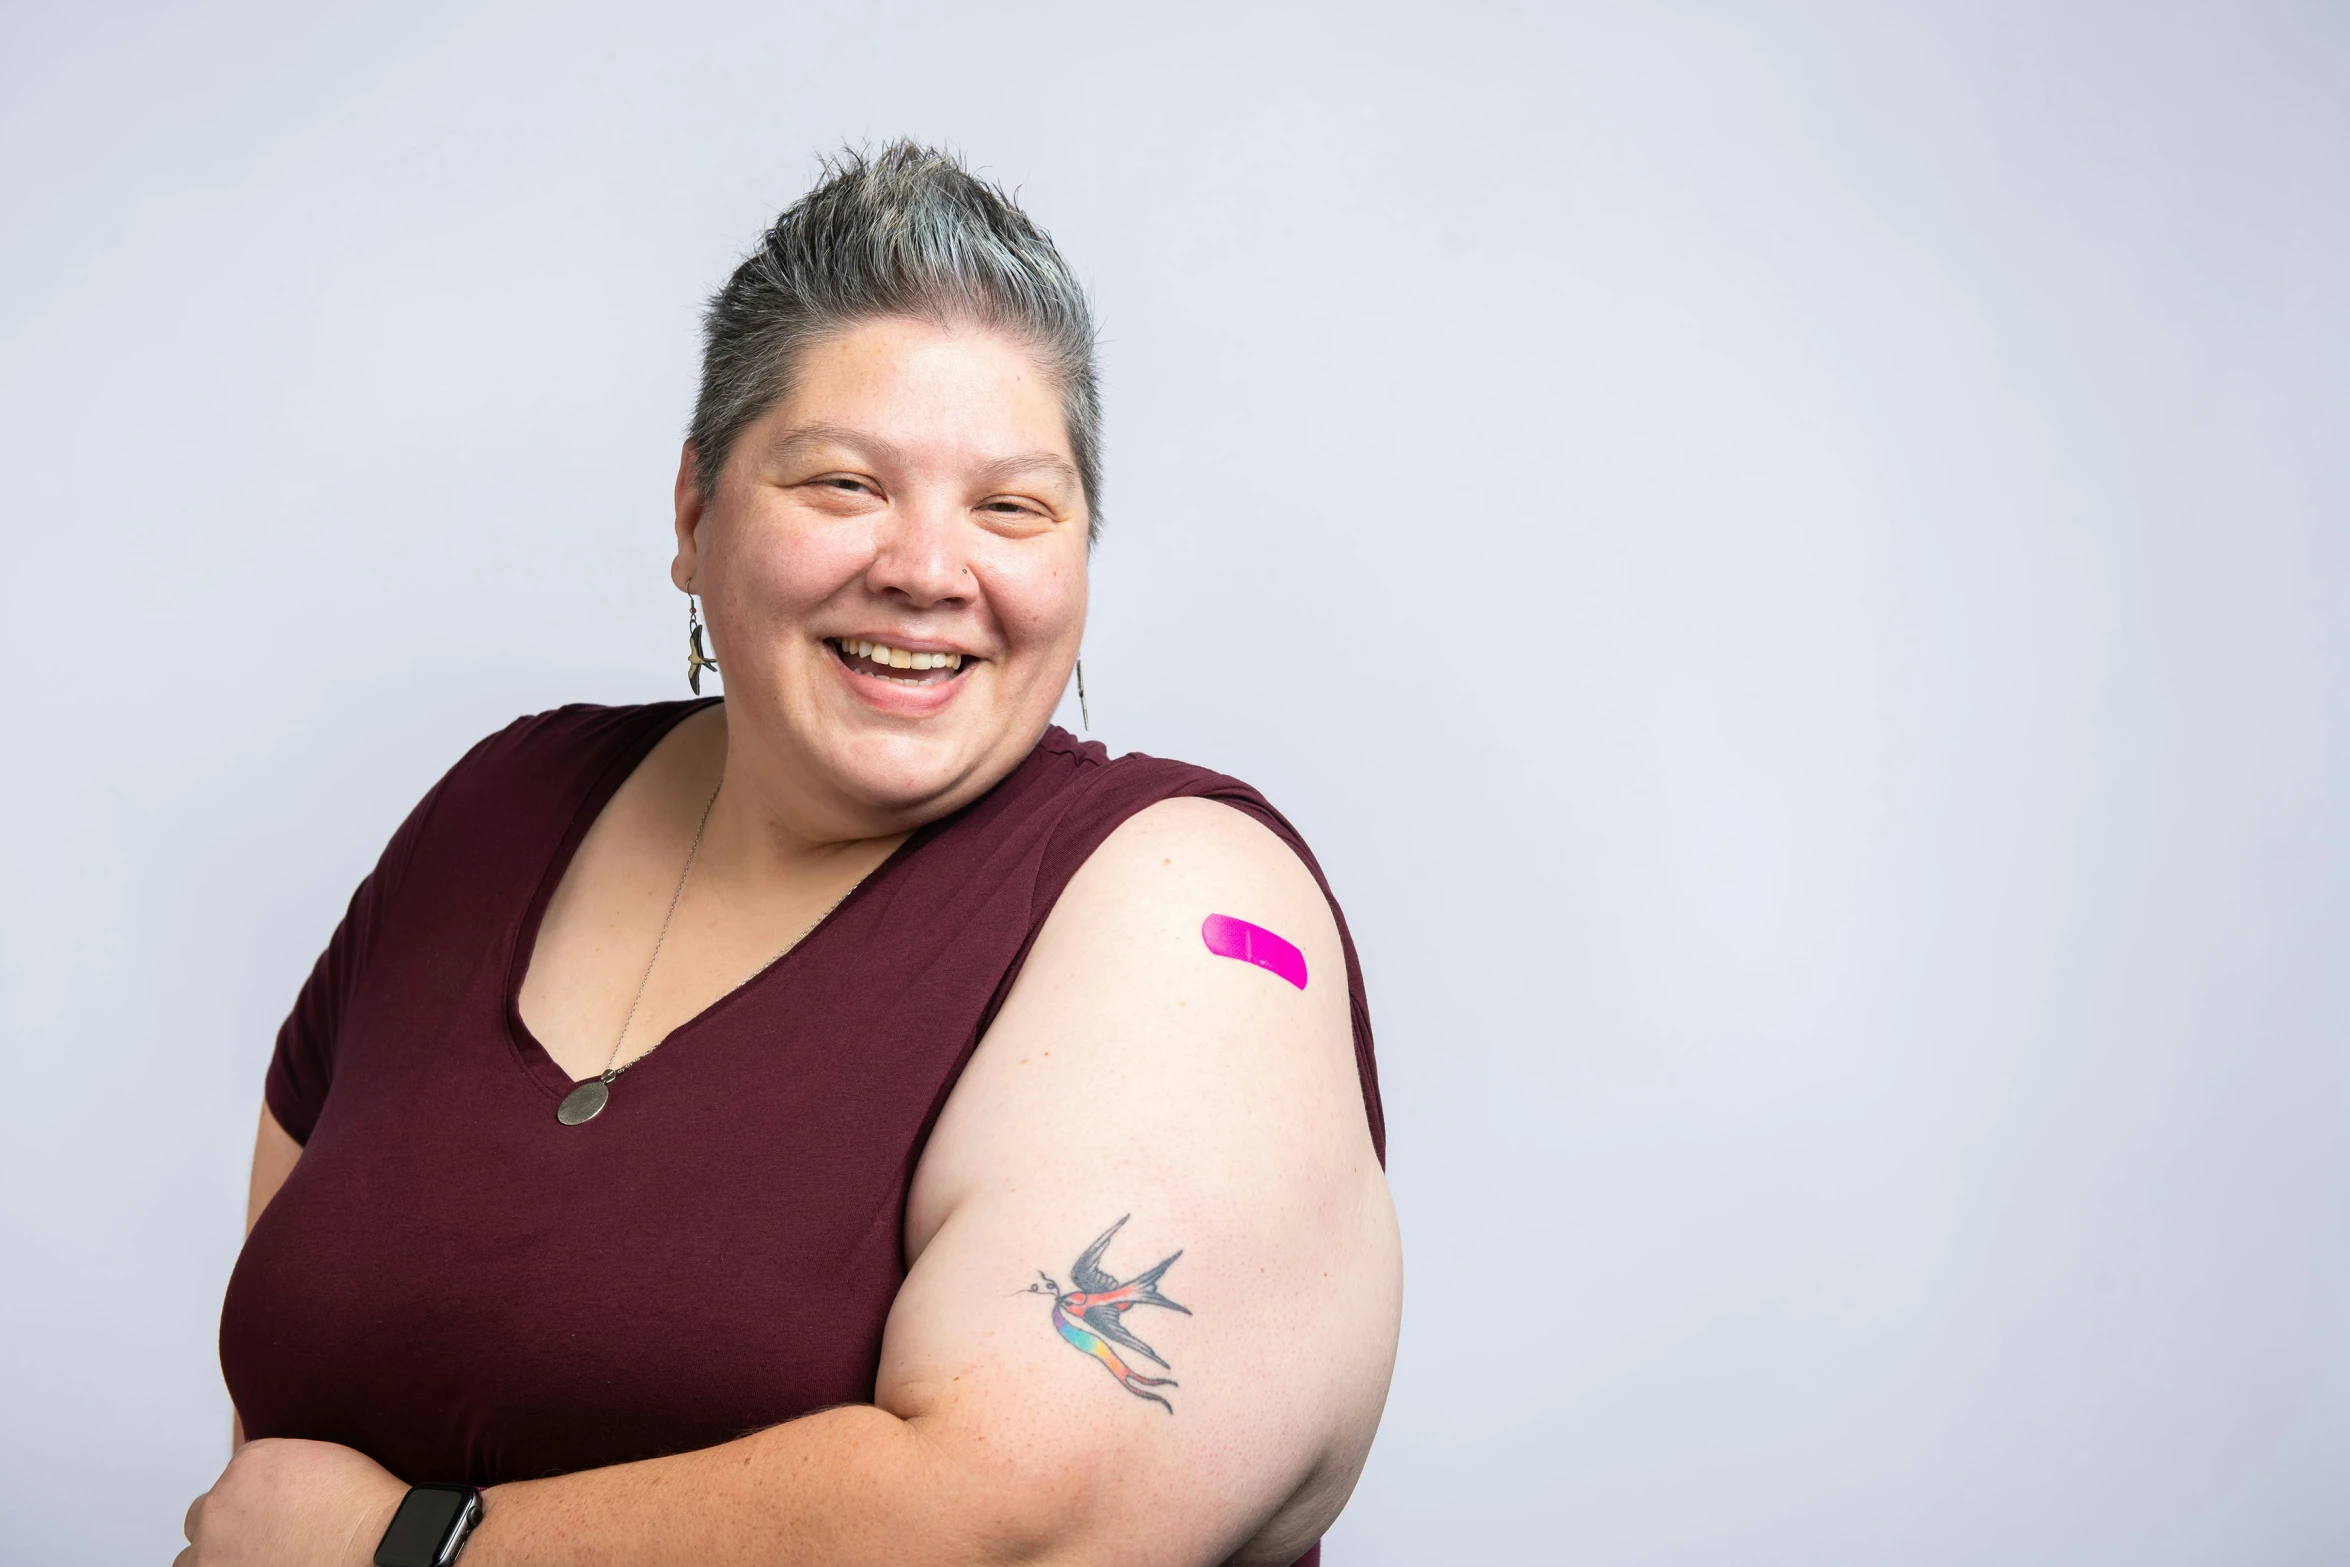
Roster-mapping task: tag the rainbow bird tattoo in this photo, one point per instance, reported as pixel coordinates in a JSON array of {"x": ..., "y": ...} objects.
[{"x": 1087, "y": 1315}]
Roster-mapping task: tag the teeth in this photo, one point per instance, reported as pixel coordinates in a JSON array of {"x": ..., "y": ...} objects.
[{"x": 898, "y": 657}]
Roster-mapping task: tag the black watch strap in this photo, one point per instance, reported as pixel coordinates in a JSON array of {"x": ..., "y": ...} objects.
[{"x": 430, "y": 1527}]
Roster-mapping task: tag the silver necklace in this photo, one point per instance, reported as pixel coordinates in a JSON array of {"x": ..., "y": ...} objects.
[{"x": 586, "y": 1101}]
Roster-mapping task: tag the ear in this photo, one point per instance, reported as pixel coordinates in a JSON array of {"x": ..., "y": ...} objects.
[{"x": 688, "y": 500}]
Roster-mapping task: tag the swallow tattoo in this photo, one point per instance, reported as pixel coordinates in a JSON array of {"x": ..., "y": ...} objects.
[{"x": 1087, "y": 1315}]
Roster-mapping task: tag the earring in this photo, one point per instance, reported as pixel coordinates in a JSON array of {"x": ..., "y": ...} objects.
[
  {"x": 695, "y": 659},
  {"x": 1083, "y": 716}
]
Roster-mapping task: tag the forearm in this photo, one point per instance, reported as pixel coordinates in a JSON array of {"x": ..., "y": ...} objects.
[{"x": 849, "y": 1486}]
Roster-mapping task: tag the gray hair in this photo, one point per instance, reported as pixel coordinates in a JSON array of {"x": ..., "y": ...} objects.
[{"x": 907, "y": 232}]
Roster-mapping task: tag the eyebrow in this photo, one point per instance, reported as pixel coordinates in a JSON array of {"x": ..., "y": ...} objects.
[
  {"x": 799, "y": 441},
  {"x": 1031, "y": 462}
]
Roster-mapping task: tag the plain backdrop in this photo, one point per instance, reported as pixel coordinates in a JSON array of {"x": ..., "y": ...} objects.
[{"x": 1792, "y": 561}]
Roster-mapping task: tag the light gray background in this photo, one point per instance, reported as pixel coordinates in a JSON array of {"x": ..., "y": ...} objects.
[{"x": 1791, "y": 560}]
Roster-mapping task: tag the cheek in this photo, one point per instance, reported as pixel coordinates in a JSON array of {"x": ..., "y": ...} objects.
[
  {"x": 1039, "y": 601},
  {"x": 783, "y": 573}
]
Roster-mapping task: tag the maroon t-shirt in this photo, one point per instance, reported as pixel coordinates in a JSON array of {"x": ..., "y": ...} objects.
[{"x": 464, "y": 1289}]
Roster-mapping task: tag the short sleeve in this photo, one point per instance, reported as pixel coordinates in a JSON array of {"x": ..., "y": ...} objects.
[{"x": 302, "y": 1068}]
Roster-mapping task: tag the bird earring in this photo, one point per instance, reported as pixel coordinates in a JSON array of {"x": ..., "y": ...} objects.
[
  {"x": 695, "y": 659},
  {"x": 1083, "y": 716}
]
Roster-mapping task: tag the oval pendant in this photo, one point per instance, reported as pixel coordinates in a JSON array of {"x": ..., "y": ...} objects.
[{"x": 583, "y": 1103}]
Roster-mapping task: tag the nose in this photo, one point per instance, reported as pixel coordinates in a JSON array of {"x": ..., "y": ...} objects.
[{"x": 917, "y": 556}]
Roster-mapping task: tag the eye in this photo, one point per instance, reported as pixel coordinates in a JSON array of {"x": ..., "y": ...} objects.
[{"x": 843, "y": 487}]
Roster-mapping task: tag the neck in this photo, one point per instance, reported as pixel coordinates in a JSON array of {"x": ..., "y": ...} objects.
[{"x": 768, "y": 825}]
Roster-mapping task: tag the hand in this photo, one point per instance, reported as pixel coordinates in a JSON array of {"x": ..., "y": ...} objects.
[{"x": 292, "y": 1504}]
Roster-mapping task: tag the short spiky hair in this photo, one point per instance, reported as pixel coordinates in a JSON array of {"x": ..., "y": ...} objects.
[{"x": 905, "y": 232}]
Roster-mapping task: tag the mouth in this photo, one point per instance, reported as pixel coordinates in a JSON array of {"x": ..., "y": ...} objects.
[{"x": 900, "y": 666}]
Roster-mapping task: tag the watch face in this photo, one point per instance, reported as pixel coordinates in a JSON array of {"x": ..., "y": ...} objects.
[{"x": 426, "y": 1526}]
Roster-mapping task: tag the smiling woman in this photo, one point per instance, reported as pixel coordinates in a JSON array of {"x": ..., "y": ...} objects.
[
  {"x": 663, "y": 1161},
  {"x": 914, "y": 492}
]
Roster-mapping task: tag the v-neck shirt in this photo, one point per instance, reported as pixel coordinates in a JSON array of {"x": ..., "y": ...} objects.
[{"x": 464, "y": 1289}]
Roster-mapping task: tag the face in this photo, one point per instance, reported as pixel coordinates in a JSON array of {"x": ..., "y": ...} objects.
[{"x": 893, "y": 570}]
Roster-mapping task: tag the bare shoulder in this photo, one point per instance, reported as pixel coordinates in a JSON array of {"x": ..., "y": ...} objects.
[
  {"x": 1164, "y": 1133},
  {"x": 1172, "y": 853},
  {"x": 1190, "y": 977},
  {"x": 1221, "y": 834},
  {"x": 1188, "y": 879}
]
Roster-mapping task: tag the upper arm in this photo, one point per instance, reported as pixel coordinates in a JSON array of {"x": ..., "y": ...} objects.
[{"x": 1132, "y": 1072}]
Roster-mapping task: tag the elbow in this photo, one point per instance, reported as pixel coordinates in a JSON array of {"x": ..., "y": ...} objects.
[{"x": 1030, "y": 1508}]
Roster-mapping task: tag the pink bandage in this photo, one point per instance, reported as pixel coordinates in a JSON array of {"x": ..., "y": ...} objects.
[{"x": 1230, "y": 938}]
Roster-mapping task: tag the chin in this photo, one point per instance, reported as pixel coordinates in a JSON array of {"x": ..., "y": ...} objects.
[{"x": 900, "y": 773}]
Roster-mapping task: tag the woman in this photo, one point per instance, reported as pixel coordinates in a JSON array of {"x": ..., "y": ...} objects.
[{"x": 829, "y": 1125}]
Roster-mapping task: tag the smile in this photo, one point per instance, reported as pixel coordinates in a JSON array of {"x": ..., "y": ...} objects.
[{"x": 896, "y": 664}]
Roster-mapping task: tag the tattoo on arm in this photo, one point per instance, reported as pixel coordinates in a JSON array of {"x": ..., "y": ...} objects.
[{"x": 1087, "y": 1314}]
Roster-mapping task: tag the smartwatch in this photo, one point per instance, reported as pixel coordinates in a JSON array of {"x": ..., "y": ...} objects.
[{"x": 431, "y": 1526}]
